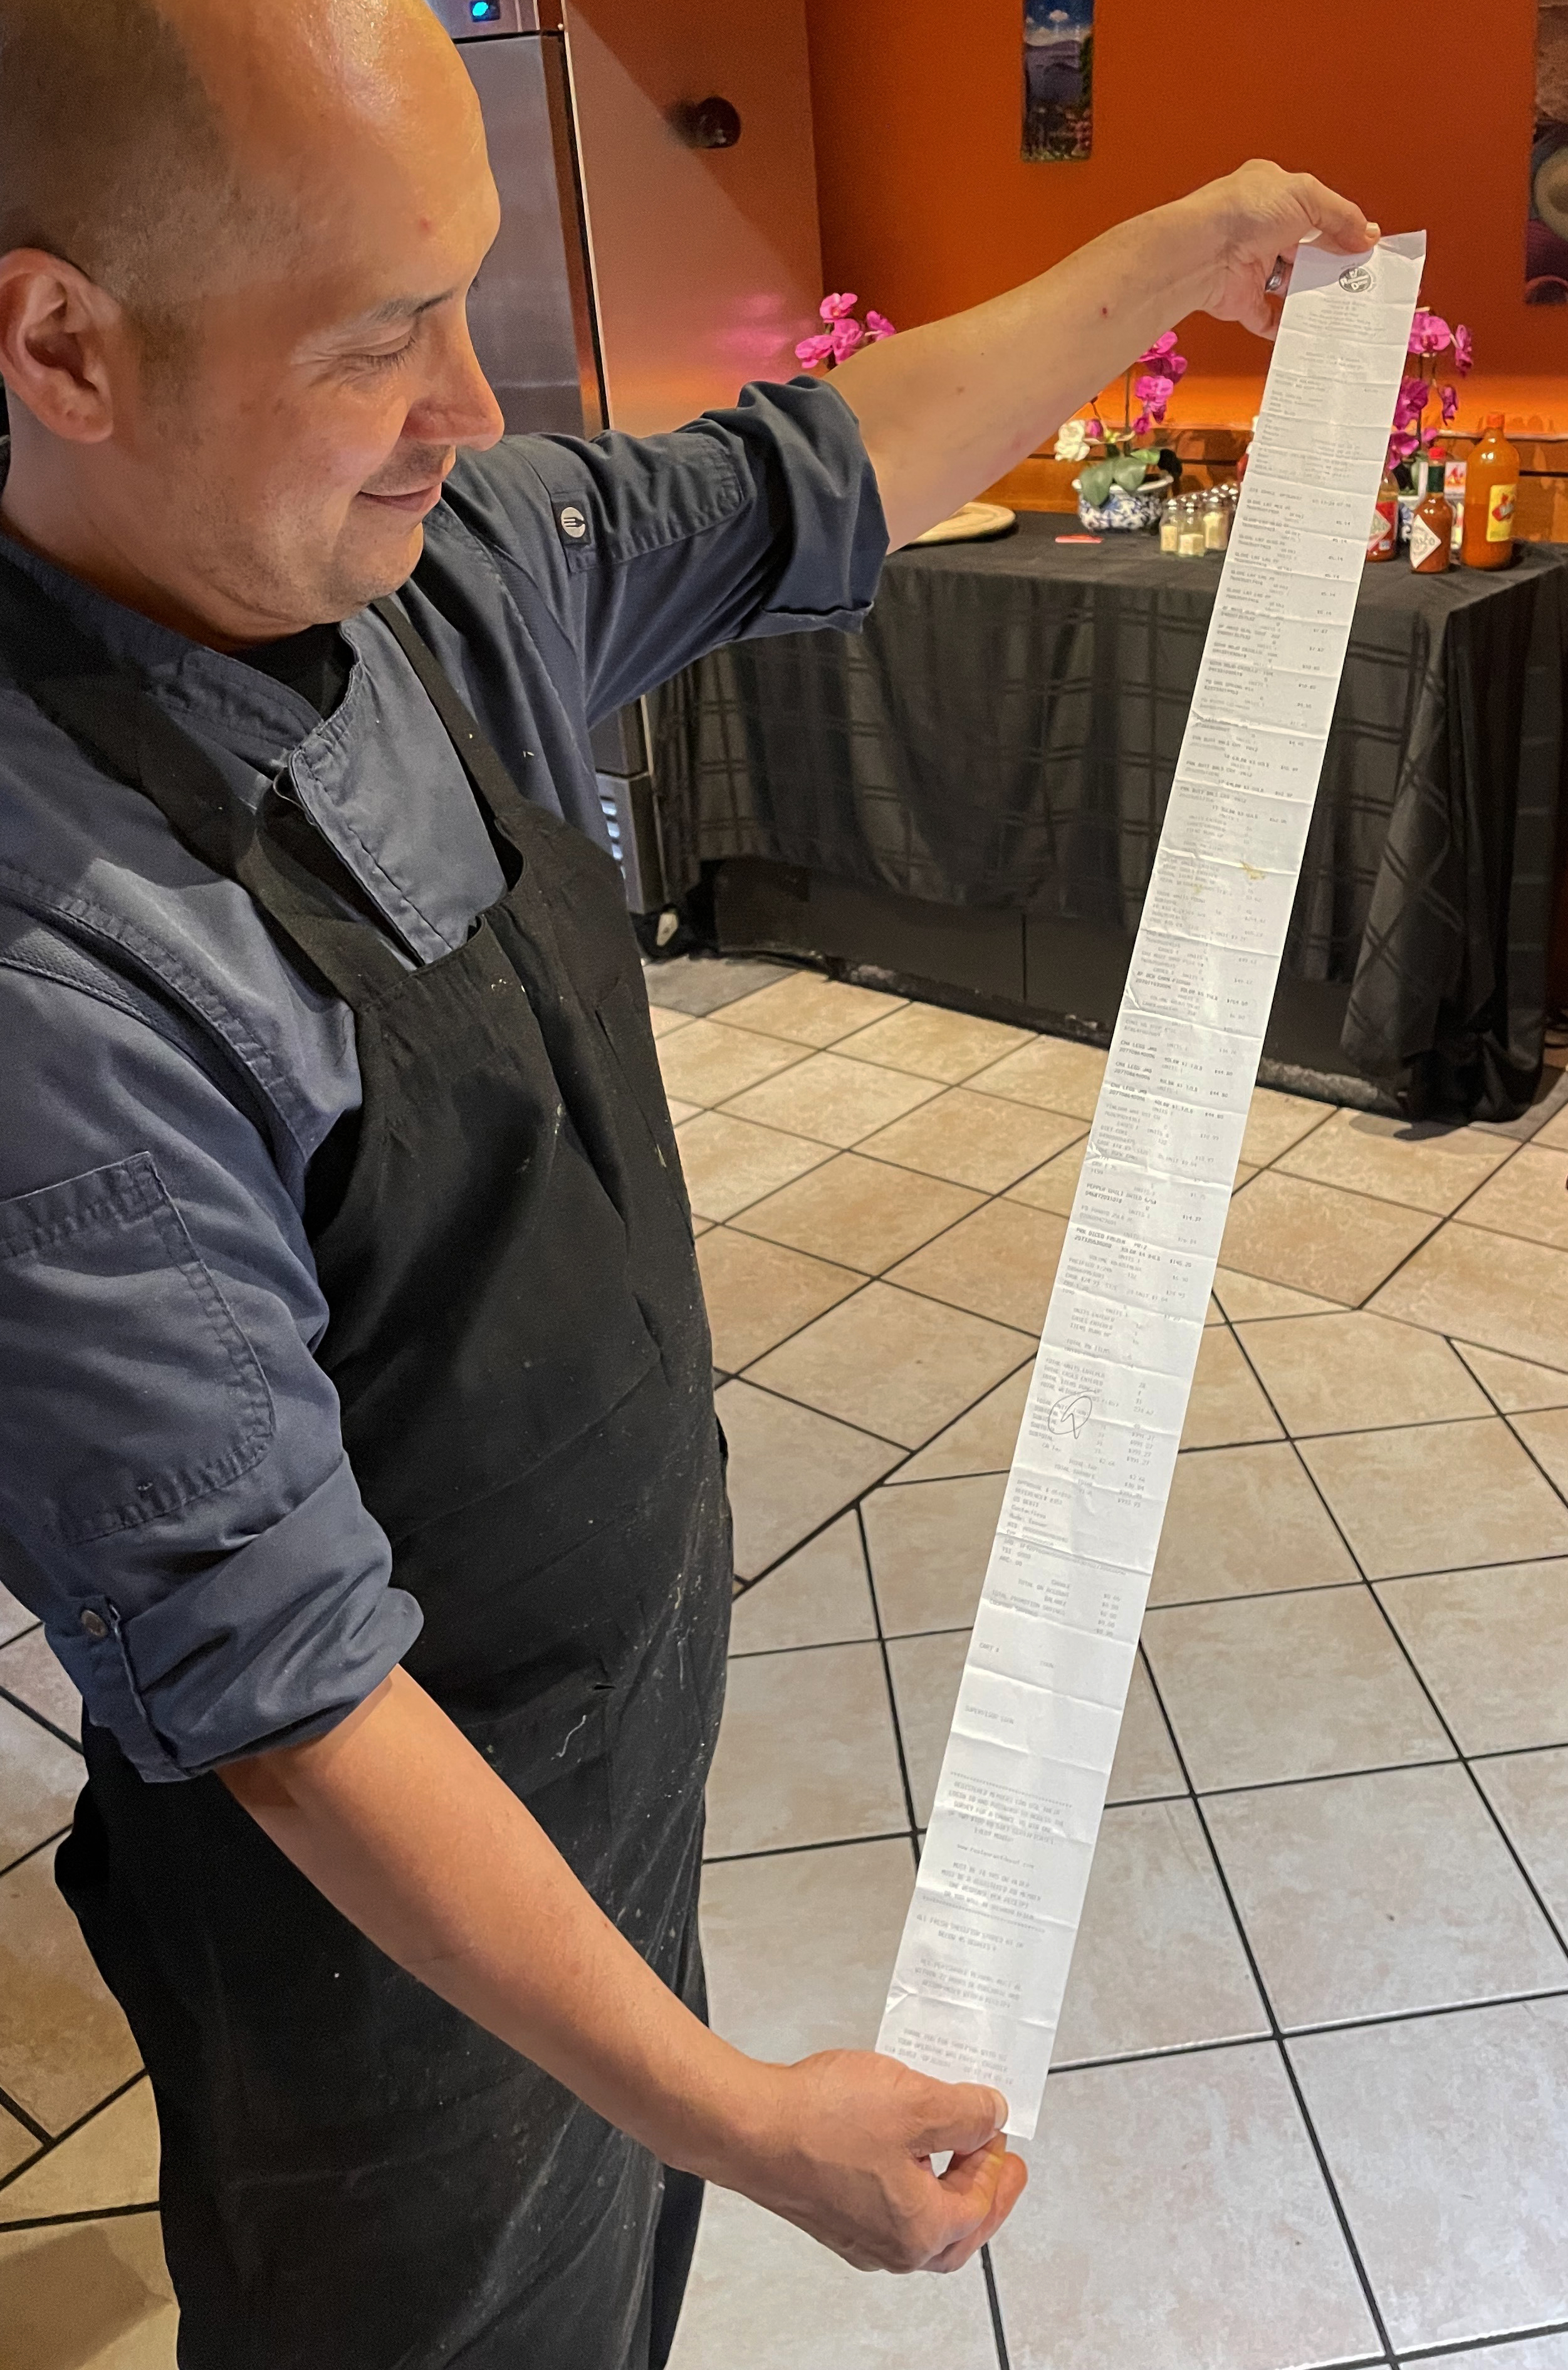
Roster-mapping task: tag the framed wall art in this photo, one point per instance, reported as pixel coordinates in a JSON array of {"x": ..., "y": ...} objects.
[{"x": 1059, "y": 80}]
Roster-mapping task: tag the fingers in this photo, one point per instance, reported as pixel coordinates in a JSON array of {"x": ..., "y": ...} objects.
[
  {"x": 1005, "y": 2180},
  {"x": 1341, "y": 225},
  {"x": 961, "y": 2116}
]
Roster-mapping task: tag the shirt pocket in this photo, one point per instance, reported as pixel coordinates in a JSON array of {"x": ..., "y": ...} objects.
[{"x": 127, "y": 1386}]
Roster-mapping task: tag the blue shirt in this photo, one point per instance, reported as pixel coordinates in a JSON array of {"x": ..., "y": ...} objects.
[{"x": 175, "y": 1502}]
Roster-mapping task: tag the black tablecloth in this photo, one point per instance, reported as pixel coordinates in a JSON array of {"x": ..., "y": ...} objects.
[{"x": 1005, "y": 732}]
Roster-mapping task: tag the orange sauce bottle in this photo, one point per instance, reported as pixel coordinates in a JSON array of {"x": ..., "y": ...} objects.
[{"x": 1491, "y": 492}]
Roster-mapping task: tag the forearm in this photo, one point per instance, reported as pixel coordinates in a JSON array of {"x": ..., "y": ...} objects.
[
  {"x": 947, "y": 408},
  {"x": 408, "y": 1831}
]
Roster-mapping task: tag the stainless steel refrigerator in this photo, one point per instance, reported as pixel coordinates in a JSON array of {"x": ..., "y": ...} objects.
[{"x": 658, "y": 246}]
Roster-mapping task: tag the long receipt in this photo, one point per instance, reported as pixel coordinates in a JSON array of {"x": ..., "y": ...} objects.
[{"x": 982, "y": 1965}]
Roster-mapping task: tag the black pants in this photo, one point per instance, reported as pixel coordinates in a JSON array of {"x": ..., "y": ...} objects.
[{"x": 467, "y": 2214}]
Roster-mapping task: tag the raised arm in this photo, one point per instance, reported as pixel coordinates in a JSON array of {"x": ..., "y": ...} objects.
[{"x": 946, "y": 410}]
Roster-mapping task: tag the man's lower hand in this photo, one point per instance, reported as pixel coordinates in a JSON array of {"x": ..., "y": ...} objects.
[{"x": 841, "y": 2144}]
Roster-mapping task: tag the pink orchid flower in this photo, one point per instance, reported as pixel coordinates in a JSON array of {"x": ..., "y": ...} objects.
[
  {"x": 1429, "y": 333},
  {"x": 878, "y": 325},
  {"x": 1161, "y": 348},
  {"x": 1402, "y": 444},
  {"x": 1095, "y": 427},
  {"x": 1411, "y": 402},
  {"x": 1448, "y": 397},
  {"x": 837, "y": 308},
  {"x": 812, "y": 350},
  {"x": 847, "y": 336},
  {"x": 1143, "y": 423},
  {"x": 1462, "y": 354}
]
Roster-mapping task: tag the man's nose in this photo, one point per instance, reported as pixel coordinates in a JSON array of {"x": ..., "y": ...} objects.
[{"x": 460, "y": 409}]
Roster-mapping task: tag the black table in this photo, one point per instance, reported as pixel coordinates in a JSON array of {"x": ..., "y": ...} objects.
[{"x": 974, "y": 789}]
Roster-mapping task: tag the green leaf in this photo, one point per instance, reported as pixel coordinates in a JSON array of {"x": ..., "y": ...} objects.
[
  {"x": 1095, "y": 483},
  {"x": 1130, "y": 471}
]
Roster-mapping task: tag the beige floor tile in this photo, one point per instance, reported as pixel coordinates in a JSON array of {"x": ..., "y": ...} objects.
[
  {"x": 1530, "y": 1793},
  {"x": 1053, "y": 1073},
  {"x": 973, "y": 1139},
  {"x": 727, "y": 1164},
  {"x": 999, "y": 1263},
  {"x": 789, "y": 1470},
  {"x": 31, "y": 1670},
  {"x": 810, "y": 1010},
  {"x": 1437, "y": 1496},
  {"x": 40, "y": 1781},
  {"x": 1554, "y": 1133},
  {"x": 863, "y": 1214},
  {"x": 17, "y": 2144},
  {"x": 834, "y": 1101},
  {"x": 665, "y": 1023},
  {"x": 758, "y": 1293},
  {"x": 680, "y": 1113},
  {"x": 63, "y": 2043},
  {"x": 1277, "y": 1122},
  {"x": 798, "y": 1946},
  {"x": 1355, "y": 1371},
  {"x": 1146, "y": 1766},
  {"x": 1381, "y": 1895},
  {"x": 819, "y": 1596},
  {"x": 928, "y": 1549},
  {"x": 1546, "y": 1435},
  {"x": 1315, "y": 1238},
  {"x": 902, "y": 1365},
  {"x": 1528, "y": 1197},
  {"x": 1426, "y": 1165},
  {"x": 981, "y": 1442},
  {"x": 704, "y": 983},
  {"x": 1226, "y": 1405},
  {"x": 1159, "y": 1964},
  {"x": 1494, "y": 1290},
  {"x": 764, "y": 2297},
  {"x": 1516, "y": 1386},
  {"x": 1493, "y": 1647},
  {"x": 806, "y": 1753},
  {"x": 704, "y": 1064},
  {"x": 935, "y": 1044},
  {"x": 1053, "y": 1187},
  {"x": 1241, "y": 1521},
  {"x": 112, "y": 2160},
  {"x": 14, "y": 1616},
  {"x": 1243, "y": 1297},
  {"x": 1447, "y": 2143},
  {"x": 1271, "y": 1687},
  {"x": 1177, "y": 2220},
  {"x": 926, "y": 1672},
  {"x": 90, "y": 2295}
]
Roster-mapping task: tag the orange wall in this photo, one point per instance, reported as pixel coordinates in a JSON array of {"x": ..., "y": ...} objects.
[{"x": 926, "y": 205}]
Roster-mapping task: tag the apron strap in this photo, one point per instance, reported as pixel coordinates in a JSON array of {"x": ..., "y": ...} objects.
[{"x": 493, "y": 786}]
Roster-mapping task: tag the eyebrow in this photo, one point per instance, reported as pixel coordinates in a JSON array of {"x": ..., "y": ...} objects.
[{"x": 400, "y": 308}]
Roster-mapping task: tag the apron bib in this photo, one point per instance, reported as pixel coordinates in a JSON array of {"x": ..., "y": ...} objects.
[{"x": 354, "y": 2176}]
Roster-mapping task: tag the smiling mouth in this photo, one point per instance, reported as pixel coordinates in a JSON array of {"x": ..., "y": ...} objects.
[{"x": 413, "y": 505}]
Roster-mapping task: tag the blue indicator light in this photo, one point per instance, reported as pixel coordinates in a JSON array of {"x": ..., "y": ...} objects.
[{"x": 484, "y": 11}]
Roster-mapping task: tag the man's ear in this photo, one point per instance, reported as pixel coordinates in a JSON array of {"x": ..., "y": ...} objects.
[{"x": 58, "y": 329}]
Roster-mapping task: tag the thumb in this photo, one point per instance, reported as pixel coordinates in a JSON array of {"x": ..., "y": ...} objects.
[{"x": 961, "y": 2116}]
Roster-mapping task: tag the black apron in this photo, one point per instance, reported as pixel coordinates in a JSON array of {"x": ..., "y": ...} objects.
[{"x": 355, "y": 2177}]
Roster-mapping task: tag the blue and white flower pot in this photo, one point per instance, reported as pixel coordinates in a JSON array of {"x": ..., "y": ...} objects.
[{"x": 1124, "y": 513}]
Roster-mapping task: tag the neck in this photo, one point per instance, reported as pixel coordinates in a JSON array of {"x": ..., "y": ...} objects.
[{"x": 46, "y": 508}]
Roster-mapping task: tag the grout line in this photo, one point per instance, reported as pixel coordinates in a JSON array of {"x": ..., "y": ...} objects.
[
  {"x": 998, "y": 2332},
  {"x": 1440, "y": 2354},
  {"x": 19, "y": 2114},
  {"x": 53, "y": 2140},
  {"x": 42, "y": 1844},
  {"x": 32, "y": 1712},
  {"x": 66, "y": 2221},
  {"x": 792, "y": 1851},
  {"x": 887, "y": 1674},
  {"x": 1354, "y": 2252}
]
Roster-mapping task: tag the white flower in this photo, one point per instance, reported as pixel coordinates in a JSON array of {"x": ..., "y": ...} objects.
[{"x": 1072, "y": 440}]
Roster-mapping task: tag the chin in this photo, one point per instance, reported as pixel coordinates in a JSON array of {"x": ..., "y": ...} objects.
[{"x": 365, "y": 576}]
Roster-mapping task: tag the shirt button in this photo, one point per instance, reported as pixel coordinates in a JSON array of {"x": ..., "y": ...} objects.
[{"x": 94, "y": 1624}]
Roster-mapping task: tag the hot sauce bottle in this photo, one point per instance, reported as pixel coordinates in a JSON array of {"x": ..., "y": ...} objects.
[
  {"x": 1492, "y": 490},
  {"x": 1432, "y": 528},
  {"x": 1383, "y": 536}
]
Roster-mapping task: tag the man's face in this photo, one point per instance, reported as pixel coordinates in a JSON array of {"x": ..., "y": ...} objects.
[{"x": 279, "y": 474}]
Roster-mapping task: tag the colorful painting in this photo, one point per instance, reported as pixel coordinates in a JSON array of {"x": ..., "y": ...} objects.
[
  {"x": 1059, "y": 80},
  {"x": 1546, "y": 239}
]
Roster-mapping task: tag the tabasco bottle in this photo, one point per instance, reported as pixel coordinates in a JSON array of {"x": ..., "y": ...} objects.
[
  {"x": 1383, "y": 536},
  {"x": 1492, "y": 490},
  {"x": 1432, "y": 528}
]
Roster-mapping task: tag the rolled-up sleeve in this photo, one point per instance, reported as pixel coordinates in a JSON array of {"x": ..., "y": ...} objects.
[
  {"x": 761, "y": 519},
  {"x": 175, "y": 1504}
]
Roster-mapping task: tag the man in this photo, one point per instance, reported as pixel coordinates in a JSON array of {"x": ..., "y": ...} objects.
[{"x": 356, "y": 1441}]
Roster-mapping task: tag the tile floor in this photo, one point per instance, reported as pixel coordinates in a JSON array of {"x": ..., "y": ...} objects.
[{"x": 1310, "y": 2100}]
